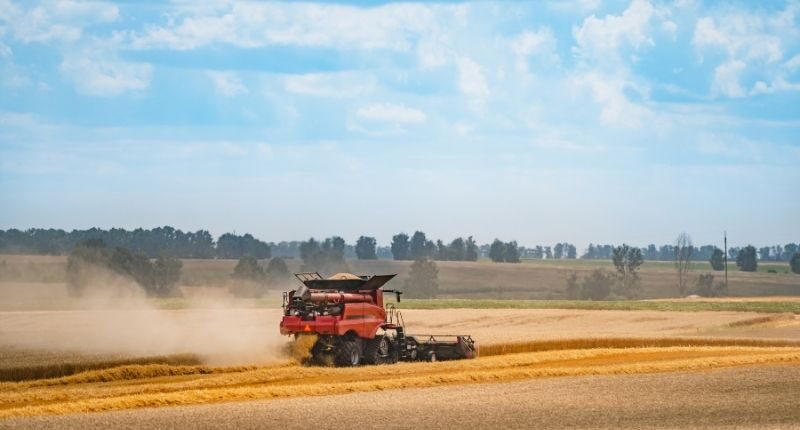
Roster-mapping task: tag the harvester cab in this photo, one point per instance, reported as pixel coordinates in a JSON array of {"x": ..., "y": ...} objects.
[{"x": 353, "y": 325}]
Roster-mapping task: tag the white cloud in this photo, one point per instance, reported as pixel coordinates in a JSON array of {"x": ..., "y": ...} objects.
[
  {"x": 391, "y": 26},
  {"x": 600, "y": 38},
  {"x": 726, "y": 79},
  {"x": 55, "y": 21},
  {"x": 103, "y": 77},
  {"x": 340, "y": 84},
  {"x": 540, "y": 44},
  {"x": 227, "y": 84},
  {"x": 385, "y": 112},
  {"x": 471, "y": 80},
  {"x": 754, "y": 45},
  {"x": 609, "y": 94}
]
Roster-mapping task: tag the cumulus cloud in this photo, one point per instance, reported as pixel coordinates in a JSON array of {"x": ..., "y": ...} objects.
[
  {"x": 55, "y": 21},
  {"x": 385, "y": 112},
  {"x": 471, "y": 80},
  {"x": 227, "y": 84},
  {"x": 247, "y": 25},
  {"x": 601, "y": 38},
  {"x": 754, "y": 46},
  {"x": 106, "y": 77}
]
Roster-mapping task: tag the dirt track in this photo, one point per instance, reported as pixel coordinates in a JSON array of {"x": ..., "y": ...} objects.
[{"x": 743, "y": 397}]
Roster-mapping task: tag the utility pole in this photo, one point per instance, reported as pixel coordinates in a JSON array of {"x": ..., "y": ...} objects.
[{"x": 725, "y": 234}]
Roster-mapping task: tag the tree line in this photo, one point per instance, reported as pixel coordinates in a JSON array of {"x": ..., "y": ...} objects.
[
  {"x": 150, "y": 242},
  {"x": 699, "y": 253},
  {"x": 201, "y": 244}
]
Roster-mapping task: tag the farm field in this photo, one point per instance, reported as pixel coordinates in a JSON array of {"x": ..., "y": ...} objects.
[
  {"x": 124, "y": 360},
  {"x": 39, "y": 281},
  {"x": 709, "y": 399}
]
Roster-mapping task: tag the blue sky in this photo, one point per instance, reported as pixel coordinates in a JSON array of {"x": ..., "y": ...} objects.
[{"x": 580, "y": 121}]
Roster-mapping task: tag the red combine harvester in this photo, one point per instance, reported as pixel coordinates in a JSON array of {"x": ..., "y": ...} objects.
[{"x": 346, "y": 312}]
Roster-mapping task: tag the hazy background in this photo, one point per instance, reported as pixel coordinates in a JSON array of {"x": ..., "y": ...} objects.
[{"x": 580, "y": 121}]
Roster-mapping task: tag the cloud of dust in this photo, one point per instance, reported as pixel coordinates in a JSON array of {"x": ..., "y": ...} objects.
[{"x": 114, "y": 318}]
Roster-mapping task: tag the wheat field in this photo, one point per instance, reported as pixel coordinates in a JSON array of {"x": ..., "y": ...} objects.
[{"x": 147, "y": 386}]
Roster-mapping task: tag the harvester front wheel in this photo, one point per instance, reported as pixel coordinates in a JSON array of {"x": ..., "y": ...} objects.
[
  {"x": 348, "y": 354},
  {"x": 377, "y": 351}
]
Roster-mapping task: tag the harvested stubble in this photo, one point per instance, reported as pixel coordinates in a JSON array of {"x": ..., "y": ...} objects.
[
  {"x": 625, "y": 342},
  {"x": 287, "y": 380},
  {"x": 60, "y": 369}
]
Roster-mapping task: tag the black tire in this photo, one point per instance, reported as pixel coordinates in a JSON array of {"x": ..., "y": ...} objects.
[
  {"x": 377, "y": 350},
  {"x": 348, "y": 354}
]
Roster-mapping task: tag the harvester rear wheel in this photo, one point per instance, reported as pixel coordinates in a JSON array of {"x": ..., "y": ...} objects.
[{"x": 348, "y": 354}]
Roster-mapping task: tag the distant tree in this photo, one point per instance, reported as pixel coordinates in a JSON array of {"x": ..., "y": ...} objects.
[
  {"x": 324, "y": 257},
  {"x": 704, "y": 286},
  {"x": 418, "y": 247},
  {"x": 573, "y": 290},
  {"x": 789, "y": 250},
  {"x": 457, "y": 250},
  {"x": 277, "y": 272},
  {"x": 365, "y": 248},
  {"x": 683, "y": 255},
  {"x": 423, "y": 280},
  {"x": 597, "y": 286},
  {"x": 248, "y": 269},
  {"x": 652, "y": 253},
  {"x": 746, "y": 259},
  {"x": 156, "y": 279},
  {"x": 442, "y": 253},
  {"x": 765, "y": 253},
  {"x": 558, "y": 251},
  {"x": 733, "y": 253},
  {"x": 471, "y": 251},
  {"x": 794, "y": 263},
  {"x": 548, "y": 253},
  {"x": 497, "y": 252},
  {"x": 590, "y": 252},
  {"x": 572, "y": 252},
  {"x": 400, "y": 247},
  {"x": 167, "y": 272},
  {"x": 717, "y": 259},
  {"x": 627, "y": 260},
  {"x": 511, "y": 252}
]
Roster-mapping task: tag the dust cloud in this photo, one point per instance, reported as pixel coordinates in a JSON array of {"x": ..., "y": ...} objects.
[{"x": 114, "y": 317}]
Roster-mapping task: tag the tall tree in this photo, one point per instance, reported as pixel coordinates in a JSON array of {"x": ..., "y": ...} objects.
[
  {"x": 497, "y": 252},
  {"x": 683, "y": 255},
  {"x": 717, "y": 259},
  {"x": 441, "y": 251},
  {"x": 457, "y": 250},
  {"x": 794, "y": 263},
  {"x": 423, "y": 280},
  {"x": 400, "y": 246},
  {"x": 471, "y": 252},
  {"x": 627, "y": 260},
  {"x": 418, "y": 248},
  {"x": 511, "y": 252},
  {"x": 572, "y": 252},
  {"x": 365, "y": 248},
  {"x": 746, "y": 259},
  {"x": 558, "y": 251}
]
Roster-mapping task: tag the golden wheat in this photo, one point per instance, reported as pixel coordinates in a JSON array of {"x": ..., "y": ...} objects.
[
  {"x": 281, "y": 381},
  {"x": 59, "y": 369},
  {"x": 621, "y": 342}
]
